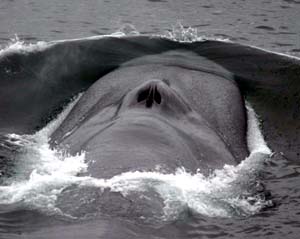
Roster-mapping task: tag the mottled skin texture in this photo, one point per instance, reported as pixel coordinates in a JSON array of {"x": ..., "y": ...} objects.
[
  {"x": 152, "y": 114},
  {"x": 148, "y": 104},
  {"x": 51, "y": 76},
  {"x": 199, "y": 122}
]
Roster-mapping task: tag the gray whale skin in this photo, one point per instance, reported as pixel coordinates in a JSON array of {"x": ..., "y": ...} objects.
[{"x": 150, "y": 103}]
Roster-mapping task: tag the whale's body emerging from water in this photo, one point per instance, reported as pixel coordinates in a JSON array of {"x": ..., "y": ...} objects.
[
  {"x": 158, "y": 111},
  {"x": 152, "y": 104},
  {"x": 208, "y": 78}
]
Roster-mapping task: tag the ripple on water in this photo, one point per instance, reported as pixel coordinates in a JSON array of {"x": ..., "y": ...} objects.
[{"x": 282, "y": 178}]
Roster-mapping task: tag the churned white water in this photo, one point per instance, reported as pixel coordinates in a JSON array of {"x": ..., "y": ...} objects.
[{"x": 42, "y": 173}]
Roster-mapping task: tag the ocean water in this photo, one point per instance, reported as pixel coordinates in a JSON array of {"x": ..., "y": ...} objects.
[
  {"x": 260, "y": 198},
  {"x": 271, "y": 24}
]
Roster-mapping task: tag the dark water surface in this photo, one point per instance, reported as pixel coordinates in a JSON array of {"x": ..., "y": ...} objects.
[{"x": 270, "y": 24}]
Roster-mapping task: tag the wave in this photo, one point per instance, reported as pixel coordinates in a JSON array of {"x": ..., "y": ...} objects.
[
  {"x": 43, "y": 173},
  {"x": 178, "y": 33}
]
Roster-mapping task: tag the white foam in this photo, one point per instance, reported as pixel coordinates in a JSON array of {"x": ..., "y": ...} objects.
[
  {"x": 17, "y": 45},
  {"x": 178, "y": 33},
  {"x": 189, "y": 34},
  {"x": 255, "y": 140},
  {"x": 43, "y": 173}
]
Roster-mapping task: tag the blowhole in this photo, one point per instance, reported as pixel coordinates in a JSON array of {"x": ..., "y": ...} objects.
[{"x": 150, "y": 95}]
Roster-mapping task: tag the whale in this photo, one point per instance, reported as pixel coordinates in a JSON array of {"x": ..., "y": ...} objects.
[
  {"x": 149, "y": 103},
  {"x": 51, "y": 75},
  {"x": 151, "y": 110}
]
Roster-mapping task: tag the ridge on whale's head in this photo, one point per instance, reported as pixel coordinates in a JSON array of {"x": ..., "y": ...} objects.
[
  {"x": 128, "y": 110},
  {"x": 153, "y": 127}
]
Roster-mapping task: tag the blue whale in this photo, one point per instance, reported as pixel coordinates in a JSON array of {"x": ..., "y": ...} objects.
[{"x": 150, "y": 103}]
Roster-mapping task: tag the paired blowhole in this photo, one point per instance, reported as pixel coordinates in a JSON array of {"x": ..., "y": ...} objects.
[{"x": 150, "y": 96}]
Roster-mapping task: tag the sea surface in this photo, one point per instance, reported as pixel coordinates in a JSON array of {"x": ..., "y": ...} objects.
[
  {"x": 271, "y": 24},
  {"x": 259, "y": 198}
]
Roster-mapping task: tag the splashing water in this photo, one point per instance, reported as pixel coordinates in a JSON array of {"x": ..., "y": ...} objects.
[
  {"x": 189, "y": 34},
  {"x": 178, "y": 33},
  {"x": 20, "y": 46},
  {"x": 17, "y": 45},
  {"x": 42, "y": 174}
]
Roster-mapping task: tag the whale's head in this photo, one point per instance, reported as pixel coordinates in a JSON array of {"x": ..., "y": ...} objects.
[{"x": 153, "y": 127}]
